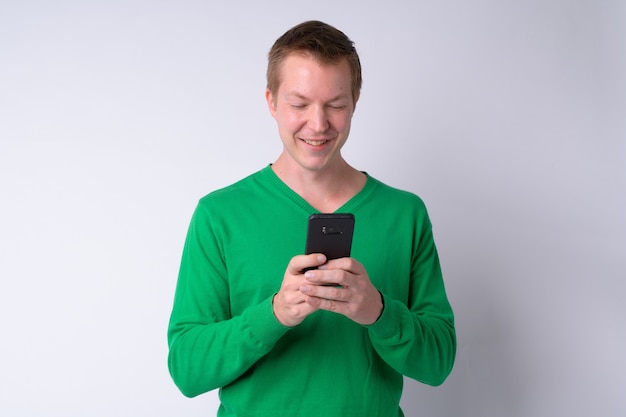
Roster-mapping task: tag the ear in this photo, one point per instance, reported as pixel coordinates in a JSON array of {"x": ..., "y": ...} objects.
[
  {"x": 355, "y": 101},
  {"x": 271, "y": 102}
]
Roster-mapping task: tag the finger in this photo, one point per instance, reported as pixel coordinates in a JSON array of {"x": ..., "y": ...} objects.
[
  {"x": 291, "y": 314},
  {"x": 347, "y": 264},
  {"x": 326, "y": 292},
  {"x": 326, "y": 304},
  {"x": 331, "y": 277},
  {"x": 293, "y": 296},
  {"x": 301, "y": 262}
]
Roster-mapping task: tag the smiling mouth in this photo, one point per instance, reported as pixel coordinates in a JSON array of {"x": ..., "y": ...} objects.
[{"x": 314, "y": 142}]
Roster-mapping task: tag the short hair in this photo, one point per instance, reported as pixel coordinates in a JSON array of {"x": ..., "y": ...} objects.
[{"x": 325, "y": 43}]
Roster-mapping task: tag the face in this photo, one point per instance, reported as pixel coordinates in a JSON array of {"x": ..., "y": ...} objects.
[{"x": 313, "y": 108}]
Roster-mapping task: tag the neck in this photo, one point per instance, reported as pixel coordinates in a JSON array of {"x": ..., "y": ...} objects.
[{"x": 327, "y": 189}]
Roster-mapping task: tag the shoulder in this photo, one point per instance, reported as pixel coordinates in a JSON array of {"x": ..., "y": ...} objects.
[
  {"x": 237, "y": 192},
  {"x": 386, "y": 194}
]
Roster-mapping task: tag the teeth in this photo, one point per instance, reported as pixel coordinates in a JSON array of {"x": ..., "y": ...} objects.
[{"x": 314, "y": 142}]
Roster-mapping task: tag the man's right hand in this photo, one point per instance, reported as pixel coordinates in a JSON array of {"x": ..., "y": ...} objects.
[{"x": 289, "y": 303}]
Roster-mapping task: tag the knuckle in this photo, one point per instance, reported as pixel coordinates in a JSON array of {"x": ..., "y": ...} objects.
[{"x": 337, "y": 294}]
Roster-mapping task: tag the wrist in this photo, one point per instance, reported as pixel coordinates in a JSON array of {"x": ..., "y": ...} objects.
[
  {"x": 277, "y": 314},
  {"x": 381, "y": 306}
]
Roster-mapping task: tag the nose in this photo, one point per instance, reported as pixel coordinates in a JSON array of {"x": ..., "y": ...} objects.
[{"x": 318, "y": 119}]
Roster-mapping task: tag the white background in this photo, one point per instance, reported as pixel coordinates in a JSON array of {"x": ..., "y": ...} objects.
[{"x": 507, "y": 117}]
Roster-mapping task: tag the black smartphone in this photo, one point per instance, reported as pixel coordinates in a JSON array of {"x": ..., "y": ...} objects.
[{"x": 330, "y": 234}]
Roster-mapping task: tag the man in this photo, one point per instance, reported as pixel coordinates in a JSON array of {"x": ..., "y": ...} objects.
[{"x": 279, "y": 341}]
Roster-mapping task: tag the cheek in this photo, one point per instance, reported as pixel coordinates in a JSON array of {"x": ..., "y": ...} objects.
[
  {"x": 290, "y": 120},
  {"x": 340, "y": 122}
]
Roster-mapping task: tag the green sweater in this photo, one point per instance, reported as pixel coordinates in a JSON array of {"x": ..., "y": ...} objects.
[{"x": 223, "y": 333}]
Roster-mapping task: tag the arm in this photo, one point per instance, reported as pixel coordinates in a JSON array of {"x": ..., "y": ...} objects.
[
  {"x": 207, "y": 347},
  {"x": 419, "y": 339}
]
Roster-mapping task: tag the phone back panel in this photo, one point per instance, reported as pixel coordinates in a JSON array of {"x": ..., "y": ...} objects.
[{"x": 330, "y": 234}]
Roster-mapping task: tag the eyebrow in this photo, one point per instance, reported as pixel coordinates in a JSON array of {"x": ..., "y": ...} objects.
[{"x": 298, "y": 96}]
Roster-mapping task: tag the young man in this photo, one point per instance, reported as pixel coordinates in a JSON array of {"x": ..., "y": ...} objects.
[{"x": 279, "y": 341}]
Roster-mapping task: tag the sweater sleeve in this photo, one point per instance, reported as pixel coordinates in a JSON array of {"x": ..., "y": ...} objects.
[
  {"x": 418, "y": 339},
  {"x": 207, "y": 347}
]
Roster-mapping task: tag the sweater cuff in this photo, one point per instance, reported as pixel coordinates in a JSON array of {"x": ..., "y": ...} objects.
[
  {"x": 387, "y": 324},
  {"x": 263, "y": 324}
]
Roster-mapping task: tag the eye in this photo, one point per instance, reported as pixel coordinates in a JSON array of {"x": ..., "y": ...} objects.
[{"x": 297, "y": 106}]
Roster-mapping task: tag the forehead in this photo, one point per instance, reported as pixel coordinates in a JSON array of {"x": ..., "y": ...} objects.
[{"x": 302, "y": 74}]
